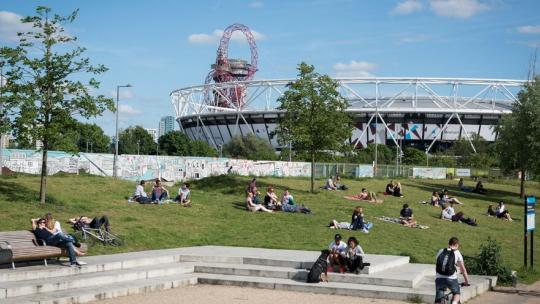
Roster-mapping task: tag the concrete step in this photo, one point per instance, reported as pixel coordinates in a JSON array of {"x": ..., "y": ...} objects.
[
  {"x": 408, "y": 275},
  {"x": 108, "y": 291},
  {"x": 424, "y": 291},
  {"x": 54, "y": 284}
]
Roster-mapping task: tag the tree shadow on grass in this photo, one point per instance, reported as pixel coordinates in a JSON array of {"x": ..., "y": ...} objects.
[
  {"x": 492, "y": 196},
  {"x": 18, "y": 193},
  {"x": 234, "y": 184}
]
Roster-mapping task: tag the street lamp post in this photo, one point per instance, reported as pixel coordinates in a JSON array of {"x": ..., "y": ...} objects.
[
  {"x": 2, "y": 79},
  {"x": 115, "y": 162}
]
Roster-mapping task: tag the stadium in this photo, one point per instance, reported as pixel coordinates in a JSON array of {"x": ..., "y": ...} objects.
[{"x": 405, "y": 111}]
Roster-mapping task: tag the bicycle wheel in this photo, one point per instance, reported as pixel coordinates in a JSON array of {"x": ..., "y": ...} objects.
[{"x": 113, "y": 240}]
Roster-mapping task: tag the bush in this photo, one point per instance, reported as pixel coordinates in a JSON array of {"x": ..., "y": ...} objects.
[{"x": 489, "y": 262}]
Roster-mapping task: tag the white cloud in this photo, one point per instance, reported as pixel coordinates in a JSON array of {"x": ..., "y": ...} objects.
[
  {"x": 529, "y": 29},
  {"x": 458, "y": 8},
  {"x": 124, "y": 94},
  {"x": 10, "y": 25},
  {"x": 256, "y": 4},
  {"x": 215, "y": 36},
  {"x": 354, "y": 69},
  {"x": 128, "y": 110},
  {"x": 411, "y": 38},
  {"x": 407, "y": 7}
]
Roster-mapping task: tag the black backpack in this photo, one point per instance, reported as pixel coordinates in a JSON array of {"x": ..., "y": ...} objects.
[{"x": 446, "y": 262}]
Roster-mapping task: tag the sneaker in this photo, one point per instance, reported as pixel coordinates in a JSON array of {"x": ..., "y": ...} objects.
[
  {"x": 365, "y": 230},
  {"x": 79, "y": 263}
]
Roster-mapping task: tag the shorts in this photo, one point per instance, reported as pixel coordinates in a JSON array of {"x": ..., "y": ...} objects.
[{"x": 440, "y": 287}]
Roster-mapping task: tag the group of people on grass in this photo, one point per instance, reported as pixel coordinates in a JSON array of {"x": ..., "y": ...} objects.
[
  {"x": 271, "y": 201},
  {"x": 479, "y": 188},
  {"x": 160, "y": 194},
  {"x": 48, "y": 231},
  {"x": 334, "y": 183},
  {"x": 394, "y": 188}
]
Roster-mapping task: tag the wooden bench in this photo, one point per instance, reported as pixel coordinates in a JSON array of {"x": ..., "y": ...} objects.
[{"x": 16, "y": 246}]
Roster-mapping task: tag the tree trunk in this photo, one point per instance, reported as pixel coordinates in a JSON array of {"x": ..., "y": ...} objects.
[
  {"x": 522, "y": 184},
  {"x": 312, "y": 171},
  {"x": 43, "y": 184}
]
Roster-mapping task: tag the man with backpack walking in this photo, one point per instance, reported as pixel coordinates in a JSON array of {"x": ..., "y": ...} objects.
[{"x": 448, "y": 259}]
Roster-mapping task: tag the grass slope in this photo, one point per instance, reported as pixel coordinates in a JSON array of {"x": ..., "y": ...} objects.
[{"x": 218, "y": 216}]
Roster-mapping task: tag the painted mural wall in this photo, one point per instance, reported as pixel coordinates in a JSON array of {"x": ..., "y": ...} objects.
[{"x": 136, "y": 167}]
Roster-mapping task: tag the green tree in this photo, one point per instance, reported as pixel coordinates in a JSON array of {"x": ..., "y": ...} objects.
[
  {"x": 385, "y": 155},
  {"x": 136, "y": 140},
  {"x": 91, "y": 138},
  {"x": 314, "y": 118},
  {"x": 201, "y": 148},
  {"x": 413, "y": 156},
  {"x": 249, "y": 147},
  {"x": 44, "y": 88},
  {"x": 175, "y": 143},
  {"x": 517, "y": 144}
]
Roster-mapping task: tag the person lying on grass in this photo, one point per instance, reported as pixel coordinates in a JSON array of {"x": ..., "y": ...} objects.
[
  {"x": 289, "y": 205},
  {"x": 445, "y": 198},
  {"x": 450, "y": 214},
  {"x": 94, "y": 223},
  {"x": 250, "y": 206},
  {"x": 364, "y": 195},
  {"x": 406, "y": 216}
]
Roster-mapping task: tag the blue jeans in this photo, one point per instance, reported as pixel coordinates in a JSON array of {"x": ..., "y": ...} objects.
[
  {"x": 64, "y": 241},
  {"x": 440, "y": 287},
  {"x": 162, "y": 196}
]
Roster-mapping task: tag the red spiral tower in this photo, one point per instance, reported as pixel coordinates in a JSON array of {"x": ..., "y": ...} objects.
[{"x": 226, "y": 69}]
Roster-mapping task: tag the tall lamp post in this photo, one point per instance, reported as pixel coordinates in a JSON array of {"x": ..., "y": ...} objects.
[
  {"x": 115, "y": 162},
  {"x": 2, "y": 80}
]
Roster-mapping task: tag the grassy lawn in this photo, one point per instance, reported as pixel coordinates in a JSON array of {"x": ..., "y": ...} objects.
[{"x": 218, "y": 216}]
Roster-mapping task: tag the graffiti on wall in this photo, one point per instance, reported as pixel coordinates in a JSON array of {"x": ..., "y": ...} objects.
[{"x": 136, "y": 167}]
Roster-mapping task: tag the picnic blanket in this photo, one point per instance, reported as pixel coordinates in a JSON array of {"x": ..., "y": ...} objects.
[{"x": 397, "y": 220}]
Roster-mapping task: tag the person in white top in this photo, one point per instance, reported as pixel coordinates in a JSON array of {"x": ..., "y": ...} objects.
[
  {"x": 184, "y": 195},
  {"x": 448, "y": 212},
  {"x": 139, "y": 195},
  {"x": 338, "y": 250},
  {"x": 330, "y": 184},
  {"x": 448, "y": 261}
]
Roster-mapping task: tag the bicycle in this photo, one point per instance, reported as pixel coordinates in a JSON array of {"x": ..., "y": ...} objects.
[
  {"x": 94, "y": 235},
  {"x": 447, "y": 299}
]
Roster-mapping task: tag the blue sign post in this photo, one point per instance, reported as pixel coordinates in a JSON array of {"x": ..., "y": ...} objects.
[{"x": 529, "y": 227}]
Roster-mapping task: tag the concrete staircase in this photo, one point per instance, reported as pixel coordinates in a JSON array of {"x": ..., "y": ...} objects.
[{"x": 388, "y": 277}]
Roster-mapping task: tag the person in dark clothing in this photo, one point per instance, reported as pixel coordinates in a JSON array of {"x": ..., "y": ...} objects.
[
  {"x": 406, "y": 216},
  {"x": 398, "y": 190},
  {"x": 59, "y": 240},
  {"x": 95, "y": 223},
  {"x": 479, "y": 188},
  {"x": 389, "y": 188}
]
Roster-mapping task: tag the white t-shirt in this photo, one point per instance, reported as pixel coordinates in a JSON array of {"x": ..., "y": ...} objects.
[
  {"x": 448, "y": 213},
  {"x": 57, "y": 227},
  {"x": 184, "y": 192},
  {"x": 139, "y": 191},
  {"x": 457, "y": 258},
  {"x": 341, "y": 247}
]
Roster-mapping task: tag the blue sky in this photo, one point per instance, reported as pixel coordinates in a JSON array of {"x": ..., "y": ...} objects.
[{"x": 159, "y": 46}]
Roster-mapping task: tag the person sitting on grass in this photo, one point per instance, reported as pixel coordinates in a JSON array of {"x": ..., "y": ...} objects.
[
  {"x": 501, "y": 212},
  {"x": 406, "y": 216},
  {"x": 337, "y": 254},
  {"x": 271, "y": 199},
  {"x": 338, "y": 183},
  {"x": 490, "y": 211},
  {"x": 398, "y": 190},
  {"x": 58, "y": 240},
  {"x": 289, "y": 205},
  {"x": 448, "y": 212},
  {"x": 435, "y": 200},
  {"x": 445, "y": 198},
  {"x": 389, "y": 188},
  {"x": 184, "y": 195},
  {"x": 159, "y": 192},
  {"x": 353, "y": 256},
  {"x": 357, "y": 221},
  {"x": 140, "y": 196},
  {"x": 462, "y": 186},
  {"x": 330, "y": 184},
  {"x": 250, "y": 206},
  {"x": 479, "y": 188}
]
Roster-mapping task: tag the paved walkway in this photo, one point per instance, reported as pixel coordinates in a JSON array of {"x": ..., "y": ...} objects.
[{"x": 214, "y": 294}]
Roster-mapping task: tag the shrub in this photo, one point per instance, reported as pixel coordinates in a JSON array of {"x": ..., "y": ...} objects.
[{"x": 489, "y": 262}]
